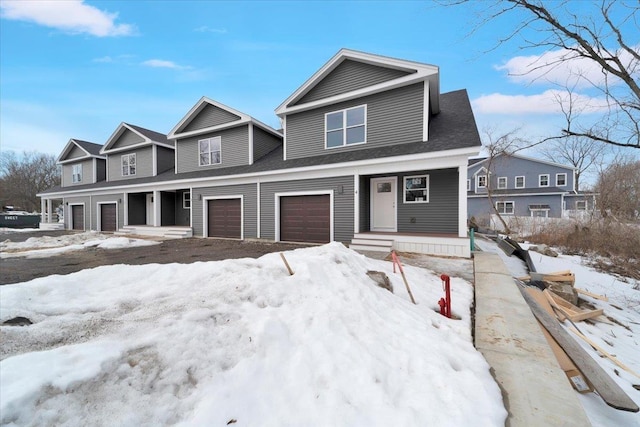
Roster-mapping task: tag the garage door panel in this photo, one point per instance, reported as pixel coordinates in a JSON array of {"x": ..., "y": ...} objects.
[
  {"x": 305, "y": 219},
  {"x": 225, "y": 218},
  {"x": 108, "y": 217}
]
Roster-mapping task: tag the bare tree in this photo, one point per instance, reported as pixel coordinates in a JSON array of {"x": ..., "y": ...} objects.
[
  {"x": 504, "y": 144},
  {"x": 607, "y": 38},
  {"x": 22, "y": 177},
  {"x": 619, "y": 189}
]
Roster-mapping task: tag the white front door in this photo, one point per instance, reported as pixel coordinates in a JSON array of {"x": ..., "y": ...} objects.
[
  {"x": 149, "y": 209},
  {"x": 383, "y": 204}
]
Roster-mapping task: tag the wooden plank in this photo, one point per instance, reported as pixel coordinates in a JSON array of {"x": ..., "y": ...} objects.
[
  {"x": 589, "y": 294},
  {"x": 603, "y": 352},
  {"x": 566, "y": 305},
  {"x": 587, "y": 314},
  {"x": 606, "y": 387},
  {"x": 576, "y": 379}
]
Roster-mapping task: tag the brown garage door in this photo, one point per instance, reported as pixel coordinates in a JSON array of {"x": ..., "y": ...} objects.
[
  {"x": 305, "y": 219},
  {"x": 108, "y": 217},
  {"x": 77, "y": 216},
  {"x": 225, "y": 218}
]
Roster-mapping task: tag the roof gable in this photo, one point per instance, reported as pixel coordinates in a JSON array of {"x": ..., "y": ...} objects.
[
  {"x": 77, "y": 149},
  {"x": 351, "y": 74},
  {"x": 209, "y": 115},
  {"x": 127, "y": 136},
  {"x": 521, "y": 157}
]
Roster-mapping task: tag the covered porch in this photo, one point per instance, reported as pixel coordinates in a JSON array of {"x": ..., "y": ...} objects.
[{"x": 52, "y": 214}]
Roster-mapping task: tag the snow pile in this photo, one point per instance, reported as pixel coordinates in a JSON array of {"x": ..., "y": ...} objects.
[
  {"x": 46, "y": 246},
  {"x": 210, "y": 343}
]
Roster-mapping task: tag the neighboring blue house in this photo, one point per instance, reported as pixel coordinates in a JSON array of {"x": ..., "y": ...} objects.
[
  {"x": 370, "y": 154},
  {"x": 524, "y": 187}
]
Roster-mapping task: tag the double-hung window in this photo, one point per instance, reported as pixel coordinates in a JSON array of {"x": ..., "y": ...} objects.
[
  {"x": 76, "y": 173},
  {"x": 505, "y": 208},
  {"x": 581, "y": 205},
  {"x": 186, "y": 200},
  {"x": 502, "y": 182},
  {"x": 520, "y": 181},
  {"x": 210, "y": 151},
  {"x": 346, "y": 127},
  {"x": 561, "y": 179},
  {"x": 543, "y": 180},
  {"x": 128, "y": 162},
  {"x": 481, "y": 181},
  {"x": 416, "y": 189}
]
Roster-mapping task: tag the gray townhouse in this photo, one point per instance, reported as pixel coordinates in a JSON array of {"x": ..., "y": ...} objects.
[
  {"x": 523, "y": 186},
  {"x": 370, "y": 154}
]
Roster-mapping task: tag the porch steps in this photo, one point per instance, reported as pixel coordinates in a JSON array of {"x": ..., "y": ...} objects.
[
  {"x": 362, "y": 242},
  {"x": 166, "y": 232}
]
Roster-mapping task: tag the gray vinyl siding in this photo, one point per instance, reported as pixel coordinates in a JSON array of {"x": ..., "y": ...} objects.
[
  {"x": 210, "y": 116},
  {"x": 234, "y": 147},
  {"x": 343, "y": 213},
  {"x": 250, "y": 208},
  {"x": 393, "y": 117},
  {"x": 166, "y": 159},
  {"x": 144, "y": 164},
  {"x": 118, "y": 198},
  {"x": 87, "y": 173},
  {"x": 263, "y": 143},
  {"x": 182, "y": 215},
  {"x": 127, "y": 139},
  {"x": 101, "y": 170},
  {"x": 68, "y": 201},
  {"x": 348, "y": 76},
  {"x": 439, "y": 215},
  {"x": 480, "y": 209},
  {"x": 510, "y": 167},
  {"x": 75, "y": 153}
]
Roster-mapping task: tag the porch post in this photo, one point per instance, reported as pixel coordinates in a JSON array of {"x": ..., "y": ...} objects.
[
  {"x": 156, "y": 208},
  {"x": 49, "y": 204},
  {"x": 125, "y": 208},
  {"x": 462, "y": 200},
  {"x": 43, "y": 204}
]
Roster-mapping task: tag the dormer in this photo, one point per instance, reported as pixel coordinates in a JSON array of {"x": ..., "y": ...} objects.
[
  {"x": 357, "y": 101},
  {"x": 136, "y": 152},
  {"x": 81, "y": 163},
  {"x": 212, "y": 135}
]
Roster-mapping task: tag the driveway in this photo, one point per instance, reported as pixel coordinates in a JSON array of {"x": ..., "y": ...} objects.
[{"x": 21, "y": 269}]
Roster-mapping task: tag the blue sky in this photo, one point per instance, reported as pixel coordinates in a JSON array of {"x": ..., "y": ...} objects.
[{"x": 74, "y": 69}]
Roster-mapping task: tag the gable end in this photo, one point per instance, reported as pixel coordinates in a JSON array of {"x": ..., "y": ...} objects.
[
  {"x": 210, "y": 115},
  {"x": 350, "y": 75}
]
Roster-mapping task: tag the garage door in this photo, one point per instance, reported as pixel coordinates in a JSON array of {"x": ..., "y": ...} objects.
[
  {"x": 77, "y": 216},
  {"x": 305, "y": 219},
  {"x": 225, "y": 216},
  {"x": 108, "y": 217}
]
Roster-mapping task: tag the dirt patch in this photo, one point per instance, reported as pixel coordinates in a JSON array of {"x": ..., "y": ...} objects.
[{"x": 185, "y": 251}]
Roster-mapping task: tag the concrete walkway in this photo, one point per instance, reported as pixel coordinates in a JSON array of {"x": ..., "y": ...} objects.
[{"x": 535, "y": 390}]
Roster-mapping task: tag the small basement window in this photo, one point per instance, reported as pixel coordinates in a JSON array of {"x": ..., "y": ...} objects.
[{"x": 416, "y": 189}]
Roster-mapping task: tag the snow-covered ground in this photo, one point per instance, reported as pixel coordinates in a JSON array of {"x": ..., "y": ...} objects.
[
  {"x": 242, "y": 343},
  {"x": 618, "y": 334},
  {"x": 46, "y": 246}
]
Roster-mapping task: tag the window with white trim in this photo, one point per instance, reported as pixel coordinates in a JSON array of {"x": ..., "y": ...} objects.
[
  {"x": 186, "y": 200},
  {"x": 416, "y": 189},
  {"x": 543, "y": 180},
  {"x": 76, "y": 173},
  {"x": 505, "y": 208},
  {"x": 128, "y": 162},
  {"x": 561, "y": 179},
  {"x": 481, "y": 181},
  {"x": 468, "y": 185},
  {"x": 345, "y": 127},
  {"x": 502, "y": 182},
  {"x": 581, "y": 205},
  {"x": 210, "y": 151},
  {"x": 520, "y": 181}
]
